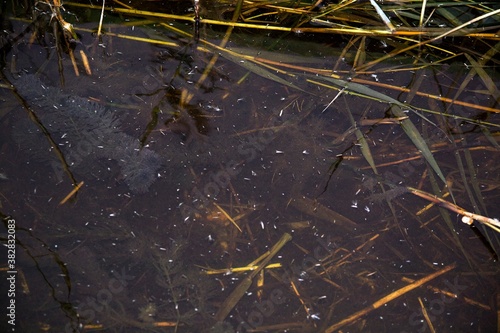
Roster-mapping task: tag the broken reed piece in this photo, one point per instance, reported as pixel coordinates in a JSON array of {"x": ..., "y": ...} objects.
[
  {"x": 226, "y": 271},
  {"x": 467, "y": 217},
  {"x": 451, "y": 294},
  {"x": 228, "y": 216},
  {"x": 71, "y": 194},
  {"x": 242, "y": 288},
  {"x": 386, "y": 299}
]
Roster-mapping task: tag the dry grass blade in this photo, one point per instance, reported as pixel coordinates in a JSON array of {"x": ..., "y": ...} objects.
[
  {"x": 382, "y": 15},
  {"x": 451, "y": 294},
  {"x": 152, "y": 41},
  {"x": 228, "y": 216},
  {"x": 346, "y": 12},
  {"x": 434, "y": 97},
  {"x": 426, "y": 316},
  {"x": 420, "y": 44},
  {"x": 255, "y": 65},
  {"x": 72, "y": 193},
  {"x": 250, "y": 267},
  {"x": 386, "y": 299}
]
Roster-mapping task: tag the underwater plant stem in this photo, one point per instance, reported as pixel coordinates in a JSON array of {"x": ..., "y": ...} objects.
[{"x": 242, "y": 288}]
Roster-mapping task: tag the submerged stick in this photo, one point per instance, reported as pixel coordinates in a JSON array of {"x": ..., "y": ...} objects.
[
  {"x": 242, "y": 288},
  {"x": 386, "y": 299}
]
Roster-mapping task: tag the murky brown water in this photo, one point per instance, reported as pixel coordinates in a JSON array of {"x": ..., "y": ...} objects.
[{"x": 164, "y": 160}]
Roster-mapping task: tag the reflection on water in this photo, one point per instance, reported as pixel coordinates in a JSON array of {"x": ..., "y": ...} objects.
[{"x": 189, "y": 178}]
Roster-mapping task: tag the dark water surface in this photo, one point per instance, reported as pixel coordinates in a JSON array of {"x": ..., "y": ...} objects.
[{"x": 164, "y": 156}]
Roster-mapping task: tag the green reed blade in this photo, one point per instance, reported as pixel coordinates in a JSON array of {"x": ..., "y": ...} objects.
[{"x": 397, "y": 110}]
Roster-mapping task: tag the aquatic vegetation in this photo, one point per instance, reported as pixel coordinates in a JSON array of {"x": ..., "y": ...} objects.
[
  {"x": 187, "y": 293},
  {"x": 84, "y": 131},
  {"x": 329, "y": 122},
  {"x": 138, "y": 165}
]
